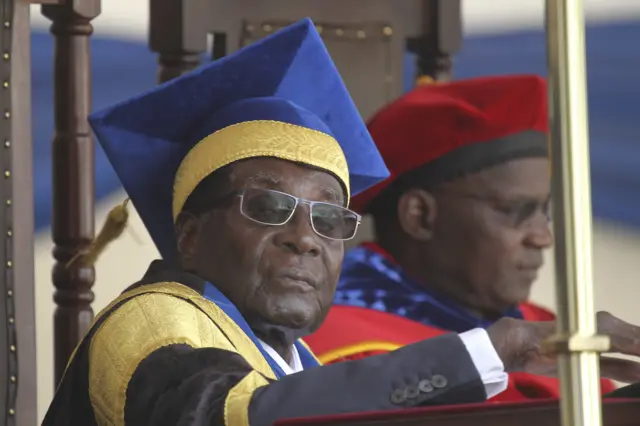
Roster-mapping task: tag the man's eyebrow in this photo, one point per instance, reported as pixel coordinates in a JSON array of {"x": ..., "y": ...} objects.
[
  {"x": 522, "y": 198},
  {"x": 518, "y": 195},
  {"x": 274, "y": 180},
  {"x": 332, "y": 195},
  {"x": 265, "y": 178}
]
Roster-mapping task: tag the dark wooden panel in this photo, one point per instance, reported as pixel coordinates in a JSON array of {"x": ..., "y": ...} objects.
[
  {"x": 8, "y": 341},
  {"x": 7, "y": 307},
  {"x": 17, "y": 331},
  {"x": 365, "y": 37},
  {"x": 363, "y": 53},
  {"x": 20, "y": 233},
  {"x": 371, "y": 65}
]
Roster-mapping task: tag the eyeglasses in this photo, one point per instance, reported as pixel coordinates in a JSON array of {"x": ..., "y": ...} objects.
[
  {"x": 521, "y": 212},
  {"x": 269, "y": 207}
]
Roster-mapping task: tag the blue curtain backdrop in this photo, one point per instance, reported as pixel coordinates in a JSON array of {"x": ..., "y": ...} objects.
[{"x": 122, "y": 69}]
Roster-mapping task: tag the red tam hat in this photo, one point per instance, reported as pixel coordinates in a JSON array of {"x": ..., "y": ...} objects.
[{"x": 443, "y": 131}]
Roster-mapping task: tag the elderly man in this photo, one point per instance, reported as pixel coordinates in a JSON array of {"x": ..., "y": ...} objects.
[
  {"x": 461, "y": 225},
  {"x": 242, "y": 171}
]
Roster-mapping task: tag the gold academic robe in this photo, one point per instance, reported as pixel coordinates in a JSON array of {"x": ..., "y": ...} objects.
[{"x": 162, "y": 354}]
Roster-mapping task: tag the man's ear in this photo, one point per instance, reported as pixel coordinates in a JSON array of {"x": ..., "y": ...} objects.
[
  {"x": 417, "y": 212},
  {"x": 187, "y": 231}
]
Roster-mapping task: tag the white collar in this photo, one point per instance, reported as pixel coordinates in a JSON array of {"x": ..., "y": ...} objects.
[{"x": 294, "y": 366}]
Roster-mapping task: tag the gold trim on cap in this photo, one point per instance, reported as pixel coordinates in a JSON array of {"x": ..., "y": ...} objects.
[{"x": 260, "y": 138}]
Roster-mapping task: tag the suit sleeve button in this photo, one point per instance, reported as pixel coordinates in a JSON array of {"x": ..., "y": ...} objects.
[
  {"x": 412, "y": 392},
  {"x": 398, "y": 396},
  {"x": 425, "y": 386},
  {"x": 439, "y": 381}
]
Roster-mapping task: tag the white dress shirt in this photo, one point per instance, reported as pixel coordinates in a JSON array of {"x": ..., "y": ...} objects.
[
  {"x": 483, "y": 354},
  {"x": 486, "y": 360},
  {"x": 289, "y": 368}
]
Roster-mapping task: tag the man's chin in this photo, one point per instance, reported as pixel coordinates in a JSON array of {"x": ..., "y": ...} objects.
[
  {"x": 517, "y": 297},
  {"x": 294, "y": 320},
  {"x": 293, "y": 310},
  {"x": 292, "y": 323},
  {"x": 528, "y": 276}
]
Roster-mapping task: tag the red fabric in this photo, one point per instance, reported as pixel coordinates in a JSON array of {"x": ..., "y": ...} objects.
[
  {"x": 347, "y": 326},
  {"x": 433, "y": 120}
]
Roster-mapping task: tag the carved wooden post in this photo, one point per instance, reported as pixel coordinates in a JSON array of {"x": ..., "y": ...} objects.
[
  {"x": 441, "y": 38},
  {"x": 73, "y": 173},
  {"x": 178, "y": 32}
]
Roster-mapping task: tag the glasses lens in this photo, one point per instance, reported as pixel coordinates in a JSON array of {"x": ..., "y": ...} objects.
[
  {"x": 333, "y": 221},
  {"x": 268, "y": 207}
]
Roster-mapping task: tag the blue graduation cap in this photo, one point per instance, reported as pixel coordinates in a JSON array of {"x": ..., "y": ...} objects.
[{"x": 280, "y": 97}]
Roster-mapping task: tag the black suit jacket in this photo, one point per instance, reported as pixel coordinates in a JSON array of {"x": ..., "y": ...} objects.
[{"x": 182, "y": 378}]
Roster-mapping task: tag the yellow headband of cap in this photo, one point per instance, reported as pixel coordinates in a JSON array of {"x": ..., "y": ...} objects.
[{"x": 260, "y": 138}]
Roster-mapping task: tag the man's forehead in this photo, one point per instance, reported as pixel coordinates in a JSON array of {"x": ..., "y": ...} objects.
[
  {"x": 525, "y": 177},
  {"x": 279, "y": 174}
]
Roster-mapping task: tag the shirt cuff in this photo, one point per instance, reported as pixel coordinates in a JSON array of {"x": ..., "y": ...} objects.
[{"x": 486, "y": 360}]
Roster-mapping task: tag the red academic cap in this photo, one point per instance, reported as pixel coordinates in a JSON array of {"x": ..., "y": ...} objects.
[{"x": 443, "y": 131}]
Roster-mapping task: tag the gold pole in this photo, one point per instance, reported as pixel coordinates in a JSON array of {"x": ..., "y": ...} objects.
[{"x": 576, "y": 342}]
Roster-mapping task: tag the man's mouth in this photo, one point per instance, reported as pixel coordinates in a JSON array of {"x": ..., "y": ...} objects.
[
  {"x": 530, "y": 271},
  {"x": 297, "y": 278}
]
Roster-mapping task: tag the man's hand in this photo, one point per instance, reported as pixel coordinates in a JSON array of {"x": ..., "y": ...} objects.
[{"x": 519, "y": 345}]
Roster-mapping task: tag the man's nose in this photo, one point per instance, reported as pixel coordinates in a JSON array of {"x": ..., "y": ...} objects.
[
  {"x": 297, "y": 234},
  {"x": 539, "y": 235}
]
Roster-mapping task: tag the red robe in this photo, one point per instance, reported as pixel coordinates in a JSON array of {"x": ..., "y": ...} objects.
[{"x": 351, "y": 333}]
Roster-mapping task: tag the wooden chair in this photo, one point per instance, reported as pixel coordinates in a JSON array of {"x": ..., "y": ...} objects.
[{"x": 366, "y": 38}]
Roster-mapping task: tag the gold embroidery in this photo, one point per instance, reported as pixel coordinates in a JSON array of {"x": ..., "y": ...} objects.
[
  {"x": 260, "y": 138},
  {"x": 236, "y": 406},
  {"x": 110, "y": 306},
  {"x": 357, "y": 348},
  {"x": 154, "y": 316}
]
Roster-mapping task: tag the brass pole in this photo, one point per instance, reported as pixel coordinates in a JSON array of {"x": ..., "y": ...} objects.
[{"x": 576, "y": 342}]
